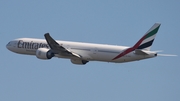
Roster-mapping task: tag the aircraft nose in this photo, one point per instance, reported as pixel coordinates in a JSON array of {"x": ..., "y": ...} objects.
[{"x": 8, "y": 46}]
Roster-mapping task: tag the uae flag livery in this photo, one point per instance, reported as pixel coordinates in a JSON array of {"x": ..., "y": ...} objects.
[
  {"x": 149, "y": 37},
  {"x": 144, "y": 43}
]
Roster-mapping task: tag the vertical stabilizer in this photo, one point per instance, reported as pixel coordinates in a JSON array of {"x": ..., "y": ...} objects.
[
  {"x": 144, "y": 43},
  {"x": 147, "y": 40}
]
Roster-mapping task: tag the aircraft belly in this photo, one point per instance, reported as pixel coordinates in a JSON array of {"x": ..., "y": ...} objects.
[
  {"x": 130, "y": 58},
  {"x": 103, "y": 57}
]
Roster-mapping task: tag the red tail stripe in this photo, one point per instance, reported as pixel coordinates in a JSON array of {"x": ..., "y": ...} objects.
[{"x": 130, "y": 49}]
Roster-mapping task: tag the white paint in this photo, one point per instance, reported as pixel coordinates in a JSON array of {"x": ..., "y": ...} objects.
[{"x": 80, "y": 52}]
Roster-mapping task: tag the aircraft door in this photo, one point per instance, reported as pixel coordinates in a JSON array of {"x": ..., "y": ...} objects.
[{"x": 95, "y": 51}]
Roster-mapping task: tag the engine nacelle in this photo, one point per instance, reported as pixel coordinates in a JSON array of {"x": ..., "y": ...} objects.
[
  {"x": 79, "y": 61},
  {"x": 44, "y": 53}
]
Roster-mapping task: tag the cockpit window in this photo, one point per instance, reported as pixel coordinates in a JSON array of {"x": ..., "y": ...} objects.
[{"x": 9, "y": 44}]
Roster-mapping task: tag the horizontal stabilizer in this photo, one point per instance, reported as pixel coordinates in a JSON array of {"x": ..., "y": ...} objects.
[
  {"x": 157, "y": 51},
  {"x": 141, "y": 52}
]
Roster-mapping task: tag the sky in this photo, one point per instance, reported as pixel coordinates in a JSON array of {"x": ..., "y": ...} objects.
[{"x": 116, "y": 22}]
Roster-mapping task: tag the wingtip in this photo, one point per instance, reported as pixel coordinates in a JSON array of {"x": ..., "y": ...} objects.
[{"x": 46, "y": 34}]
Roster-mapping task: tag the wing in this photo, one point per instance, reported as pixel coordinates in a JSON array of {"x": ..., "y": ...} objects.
[{"x": 58, "y": 49}]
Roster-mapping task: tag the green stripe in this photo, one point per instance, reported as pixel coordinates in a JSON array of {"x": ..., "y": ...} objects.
[{"x": 152, "y": 32}]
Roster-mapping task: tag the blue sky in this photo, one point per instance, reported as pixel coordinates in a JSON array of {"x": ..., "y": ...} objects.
[{"x": 26, "y": 78}]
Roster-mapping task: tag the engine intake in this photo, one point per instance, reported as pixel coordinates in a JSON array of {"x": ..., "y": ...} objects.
[{"x": 44, "y": 53}]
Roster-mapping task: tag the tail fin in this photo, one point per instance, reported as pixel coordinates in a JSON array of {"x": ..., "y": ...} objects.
[
  {"x": 147, "y": 40},
  {"x": 144, "y": 43}
]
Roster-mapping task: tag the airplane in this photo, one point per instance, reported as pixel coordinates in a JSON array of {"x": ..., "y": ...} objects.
[{"x": 81, "y": 53}]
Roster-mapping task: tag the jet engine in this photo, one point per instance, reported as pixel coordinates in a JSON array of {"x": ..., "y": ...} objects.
[
  {"x": 44, "y": 53},
  {"x": 79, "y": 61}
]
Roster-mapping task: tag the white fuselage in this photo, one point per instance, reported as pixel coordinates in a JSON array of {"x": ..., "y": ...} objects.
[{"x": 88, "y": 51}]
